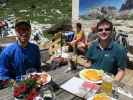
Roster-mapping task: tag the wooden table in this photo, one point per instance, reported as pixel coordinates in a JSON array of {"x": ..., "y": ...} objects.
[{"x": 59, "y": 76}]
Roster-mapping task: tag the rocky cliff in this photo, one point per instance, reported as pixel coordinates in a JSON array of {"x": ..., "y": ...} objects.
[{"x": 128, "y": 5}]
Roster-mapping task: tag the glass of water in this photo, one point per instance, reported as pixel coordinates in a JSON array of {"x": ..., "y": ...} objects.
[
  {"x": 47, "y": 93},
  {"x": 30, "y": 71}
]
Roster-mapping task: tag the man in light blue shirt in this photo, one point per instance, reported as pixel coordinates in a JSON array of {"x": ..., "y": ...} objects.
[{"x": 20, "y": 56}]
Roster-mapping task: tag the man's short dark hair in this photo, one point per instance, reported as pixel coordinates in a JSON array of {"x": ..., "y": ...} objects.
[
  {"x": 105, "y": 21},
  {"x": 79, "y": 25},
  {"x": 23, "y": 24}
]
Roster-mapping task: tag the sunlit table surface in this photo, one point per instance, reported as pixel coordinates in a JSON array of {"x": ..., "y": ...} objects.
[
  {"x": 123, "y": 92},
  {"x": 60, "y": 77}
]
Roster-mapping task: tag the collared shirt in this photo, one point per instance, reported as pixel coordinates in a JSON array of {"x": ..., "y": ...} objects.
[
  {"x": 15, "y": 60},
  {"x": 109, "y": 59}
]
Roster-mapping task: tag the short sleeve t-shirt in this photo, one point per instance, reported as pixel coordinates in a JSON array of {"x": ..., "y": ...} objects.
[{"x": 109, "y": 59}]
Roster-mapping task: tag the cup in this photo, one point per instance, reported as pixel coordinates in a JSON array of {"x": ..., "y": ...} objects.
[
  {"x": 30, "y": 71},
  {"x": 115, "y": 93},
  {"x": 47, "y": 93},
  {"x": 73, "y": 65},
  {"x": 107, "y": 84}
]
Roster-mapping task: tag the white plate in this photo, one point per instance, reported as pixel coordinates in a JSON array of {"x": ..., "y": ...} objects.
[
  {"x": 48, "y": 77},
  {"x": 81, "y": 76}
]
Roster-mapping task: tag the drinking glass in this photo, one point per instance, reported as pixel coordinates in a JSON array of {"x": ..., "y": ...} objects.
[
  {"x": 107, "y": 84},
  {"x": 47, "y": 93},
  {"x": 115, "y": 93},
  {"x": 30, "y": 71}
]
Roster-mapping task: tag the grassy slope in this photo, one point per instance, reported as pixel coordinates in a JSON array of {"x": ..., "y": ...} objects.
[{"x": 43, "y": 11}]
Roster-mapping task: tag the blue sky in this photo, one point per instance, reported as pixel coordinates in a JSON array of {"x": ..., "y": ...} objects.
[{"x": 84, "y": 5}]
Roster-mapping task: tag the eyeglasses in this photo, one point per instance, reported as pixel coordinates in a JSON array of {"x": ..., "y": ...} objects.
[
  {"x": 106, "y": 29},
  {"x": 23, "y": 33}
]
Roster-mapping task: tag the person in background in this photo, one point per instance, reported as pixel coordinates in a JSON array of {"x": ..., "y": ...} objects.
[
  {"x": 106, "y": 54},
  {"x": 79, "y": 41},
  {"x": 92, "y": 35},
  {"x": 20, "y": 56}
]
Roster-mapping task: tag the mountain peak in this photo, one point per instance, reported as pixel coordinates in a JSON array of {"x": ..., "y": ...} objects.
[{"x": 128, "y": 5}]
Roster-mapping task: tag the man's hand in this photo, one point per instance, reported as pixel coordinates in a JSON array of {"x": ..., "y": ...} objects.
[
  {"x": 120, "y": 75},
  {"x": 87, "y": 64}
]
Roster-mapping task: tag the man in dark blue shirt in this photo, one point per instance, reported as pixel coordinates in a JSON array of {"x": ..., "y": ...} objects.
[{"x": 20, "y": 56}]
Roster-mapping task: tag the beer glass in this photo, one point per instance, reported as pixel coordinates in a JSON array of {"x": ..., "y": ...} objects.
[{"x": 107, "y": 84}]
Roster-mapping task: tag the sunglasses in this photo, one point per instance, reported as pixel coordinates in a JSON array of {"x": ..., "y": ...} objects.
[
  {"x": 25, "y": 34},
  {"x": 22, "y": 31},
  {"x": 106, "y": 29}
]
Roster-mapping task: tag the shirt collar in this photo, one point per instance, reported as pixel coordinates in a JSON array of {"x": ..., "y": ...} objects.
[
  {"x": 100, "y": 47},
  {"x": 18, "y": 42}
]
